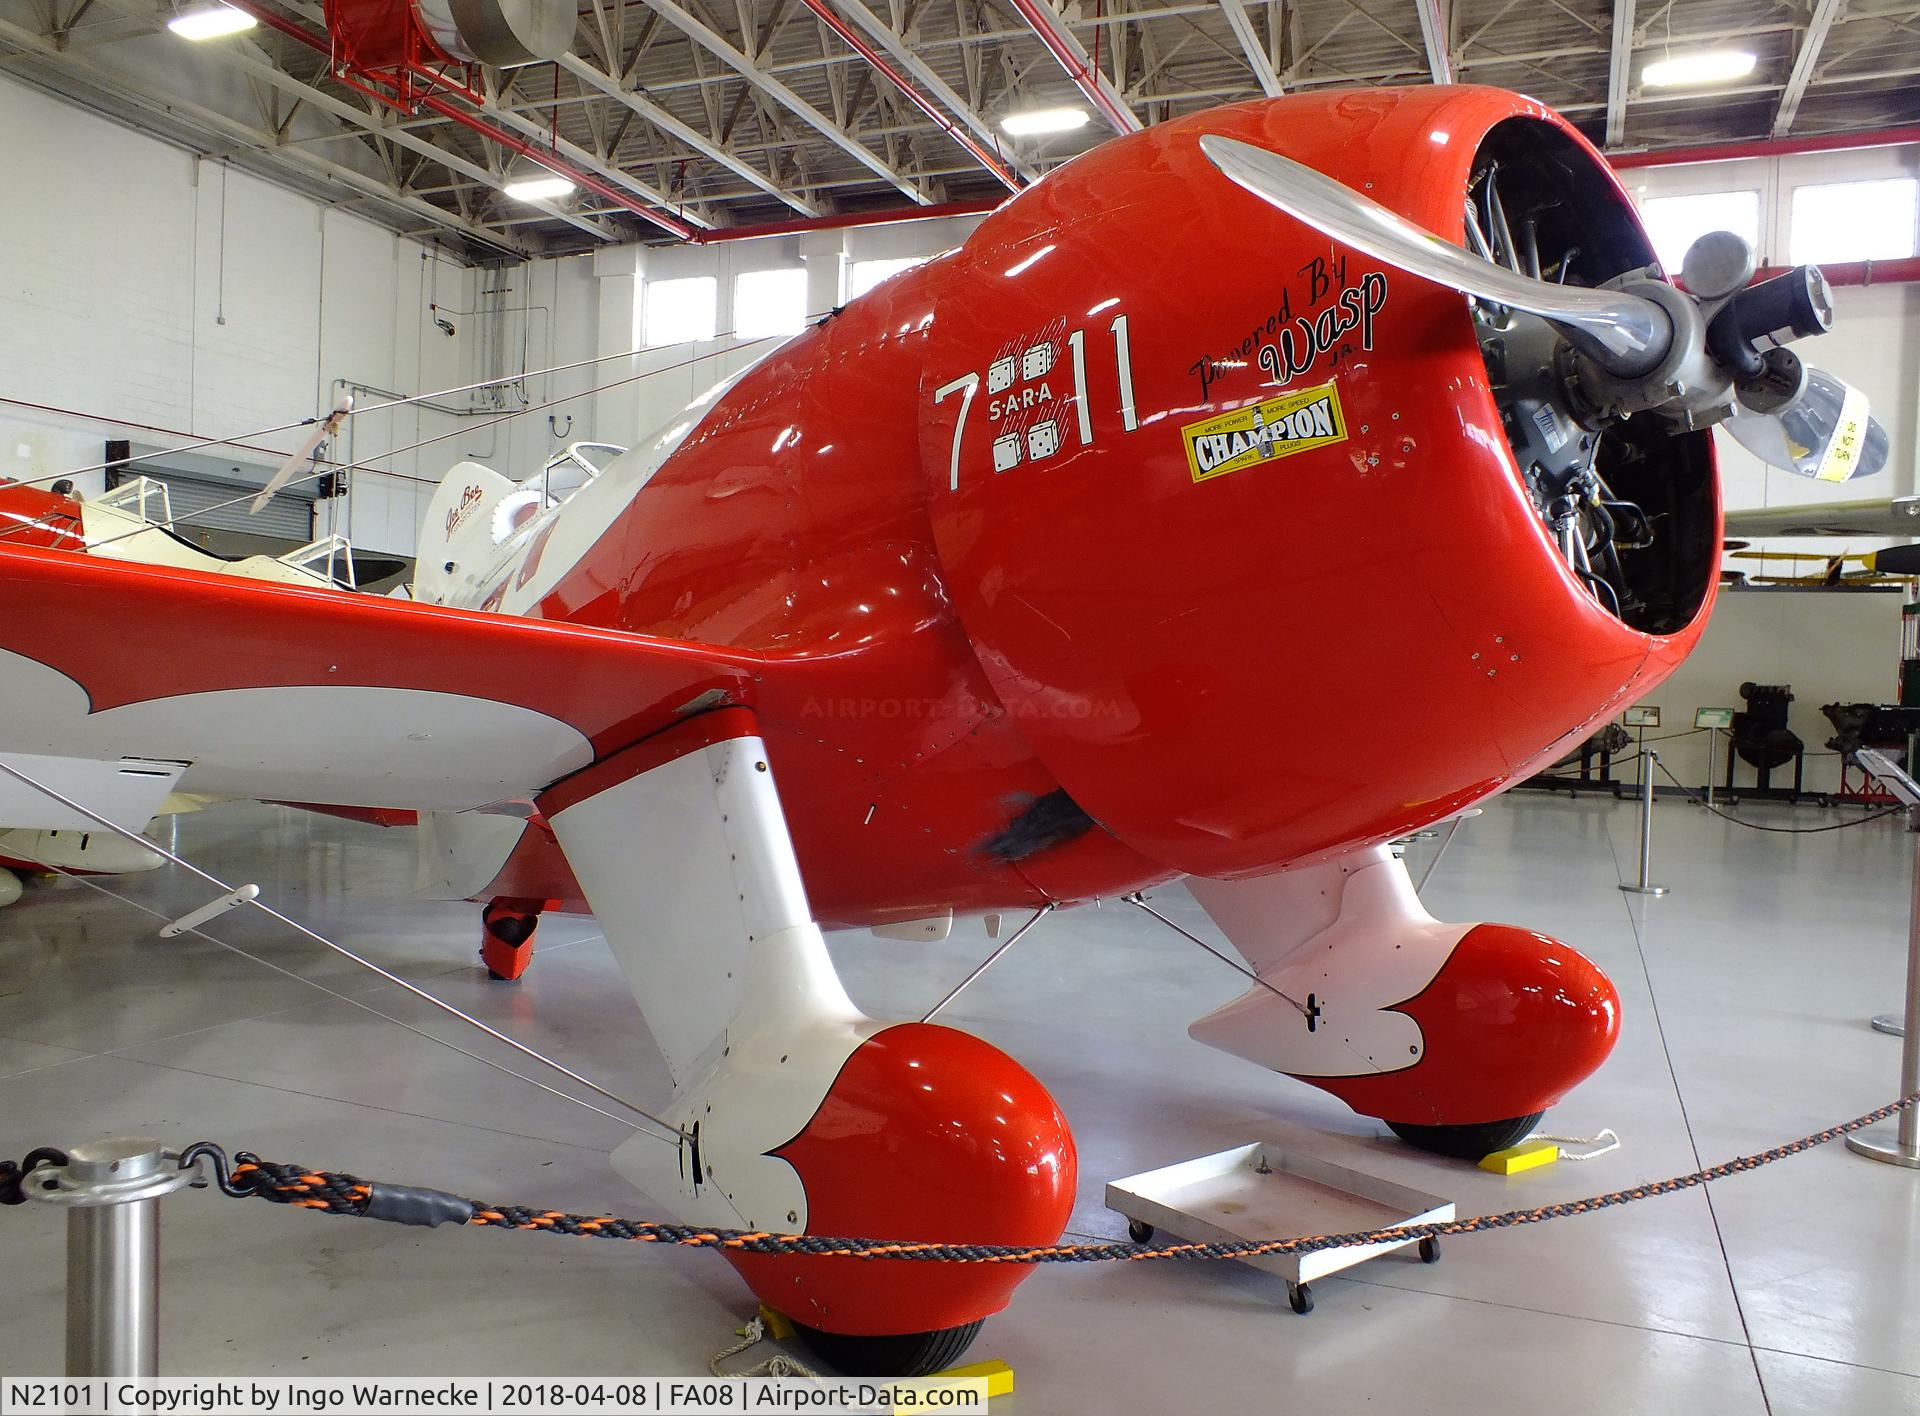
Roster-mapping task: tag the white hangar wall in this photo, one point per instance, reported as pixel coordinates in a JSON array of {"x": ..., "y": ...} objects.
[
  {"x": 677, "y": 373},
  {"x": 141, "y": 284},
  {"x": 1829, "y": 648},
  {"x": 202, "y": 301}
]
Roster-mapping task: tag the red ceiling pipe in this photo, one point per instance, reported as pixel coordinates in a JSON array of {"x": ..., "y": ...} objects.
[
  {"x": 1764, "y": 147},
  {"x": 1903, "y": 271},
  {"x": 1899, "y": 271},
  {"x": 673, "y": 226},
  {"x": 989, "y": 160},
  {"x": 286, "y": 26},
  {"x": 1839, "y": 273},
  {"x": 799, "y": 225},
  {"x": 552, "y": 161},
  {"x": 1085, "y": 79}
]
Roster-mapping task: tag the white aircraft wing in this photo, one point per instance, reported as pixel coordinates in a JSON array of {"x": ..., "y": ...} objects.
[
  {"x": 1898, "y": 517},
  {"x": 151, "y": 679}
]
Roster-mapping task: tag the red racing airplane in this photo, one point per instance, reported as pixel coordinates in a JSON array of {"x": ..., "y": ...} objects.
[{"x": 1020, "y": 582}]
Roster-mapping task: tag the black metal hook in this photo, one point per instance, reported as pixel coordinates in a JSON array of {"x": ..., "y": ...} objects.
[
  {"x": 222, "y": 1169},
  {"x": 13, "y": 1177}
]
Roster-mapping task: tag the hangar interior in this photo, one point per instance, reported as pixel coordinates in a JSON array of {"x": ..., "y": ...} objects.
[{"x": 208, "y": 245}]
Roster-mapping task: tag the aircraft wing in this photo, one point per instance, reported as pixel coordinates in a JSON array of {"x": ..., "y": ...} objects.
[
  {"x": 1899, "y": 517},
  {"x": 122, "y": 678}
]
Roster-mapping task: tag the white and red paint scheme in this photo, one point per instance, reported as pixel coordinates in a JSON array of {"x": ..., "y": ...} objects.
[{"x": 859, "y": 641}]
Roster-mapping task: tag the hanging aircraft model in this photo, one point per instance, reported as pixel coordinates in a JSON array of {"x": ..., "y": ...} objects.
[
  {"x": 1826, "y": 572},
  {"x": 1873, "y": 520},
  {"x": 1022, "y": 581}
]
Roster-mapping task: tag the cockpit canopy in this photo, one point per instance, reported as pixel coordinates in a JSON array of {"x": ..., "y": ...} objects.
[{"x": 565, "y": 473}]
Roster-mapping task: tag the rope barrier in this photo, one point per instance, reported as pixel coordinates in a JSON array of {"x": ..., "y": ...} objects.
[
  {"x": 338, "y": 1193},
  {"x": 1698, "y": 799}
]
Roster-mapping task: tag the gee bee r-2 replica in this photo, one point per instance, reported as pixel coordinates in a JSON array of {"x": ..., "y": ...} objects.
[{"x": 1017, "y": 583}]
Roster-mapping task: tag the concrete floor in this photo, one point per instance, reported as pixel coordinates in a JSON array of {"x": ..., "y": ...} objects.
[{"x": 1746, "y": 994}]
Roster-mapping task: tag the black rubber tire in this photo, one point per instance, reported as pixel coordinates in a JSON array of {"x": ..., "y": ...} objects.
[
  {"x": 1300, "y": 1298},
  {"x": 513, "y": 930},
  {"x": 500, "y": 978},
  {"x": 906, "y": 1354},
  {"x": 1139, "y": 1231},
  {"x": 1471, "y": 1142},
  {"x": 1429, "y": 1251}
]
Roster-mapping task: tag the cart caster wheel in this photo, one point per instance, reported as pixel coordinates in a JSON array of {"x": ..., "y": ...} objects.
[
  {"x": 1429, "y": 1251},
  {"x": 1139, "y": 1231},
  {"x": 1300, "y": 1297}
]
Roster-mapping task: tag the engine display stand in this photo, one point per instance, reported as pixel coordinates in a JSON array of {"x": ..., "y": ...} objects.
[{"x": 1763, "y": 788}]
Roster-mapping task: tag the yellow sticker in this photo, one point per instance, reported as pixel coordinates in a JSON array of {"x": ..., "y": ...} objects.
[
  {"x": 1849, "y": 438},
  {"x": 1297, "y": 421}
]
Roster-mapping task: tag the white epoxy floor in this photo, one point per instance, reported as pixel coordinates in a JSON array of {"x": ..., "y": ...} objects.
[{"x": 1746, "y": 991}]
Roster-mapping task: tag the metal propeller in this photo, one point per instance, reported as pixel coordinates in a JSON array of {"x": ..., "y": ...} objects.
[
  {"x": 1827, "y": 434},
  {"x": 1708, "y": 354},
  {"x": 1627, "y": 334},
  {"x": 303, "y": 454}
]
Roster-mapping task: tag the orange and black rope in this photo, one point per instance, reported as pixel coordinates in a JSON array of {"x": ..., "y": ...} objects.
[{"x": 347, "y": 1194}]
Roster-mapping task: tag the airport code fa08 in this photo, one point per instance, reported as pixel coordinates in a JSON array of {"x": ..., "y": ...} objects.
[{"x": 641, "y": 1396}]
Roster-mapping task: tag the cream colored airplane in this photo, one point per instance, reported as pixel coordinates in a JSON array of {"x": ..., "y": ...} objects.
[{"x": 130, "y": 523}]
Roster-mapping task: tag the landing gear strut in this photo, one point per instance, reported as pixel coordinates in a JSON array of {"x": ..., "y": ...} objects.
[{"x": 506, "y": 938}]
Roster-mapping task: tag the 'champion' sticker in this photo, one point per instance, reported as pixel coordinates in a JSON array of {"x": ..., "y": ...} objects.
[{"x": 1297, "y": 421}]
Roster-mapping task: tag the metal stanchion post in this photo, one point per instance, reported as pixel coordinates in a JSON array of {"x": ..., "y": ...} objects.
[
  {"x": 1903, "y": 1147},
  {"x": 1713, "y": 756},
  {"x": 1645, "y": 886},
  {"x": 112, "y": 1191}
]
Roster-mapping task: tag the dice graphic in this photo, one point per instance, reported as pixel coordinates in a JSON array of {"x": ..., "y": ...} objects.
[
  {"x": 1000, "y": 374},
  {"x": 1037, "y": 361},
  {"x": 1043, "y": 439},
  {"x": 1006, "y": 452}
]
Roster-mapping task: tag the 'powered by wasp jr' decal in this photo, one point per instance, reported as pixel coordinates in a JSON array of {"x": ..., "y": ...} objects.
[{"x": 1298, "y": 421}]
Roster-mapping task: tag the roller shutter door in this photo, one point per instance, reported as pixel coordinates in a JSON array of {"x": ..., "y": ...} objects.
[{"x": 198, "y": 501}]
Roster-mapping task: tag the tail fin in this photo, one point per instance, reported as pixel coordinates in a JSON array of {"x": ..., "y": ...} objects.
[{"x": 459, "y": 536}]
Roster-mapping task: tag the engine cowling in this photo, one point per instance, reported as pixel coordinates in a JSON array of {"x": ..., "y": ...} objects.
[{"x": 1231, "y": 514}]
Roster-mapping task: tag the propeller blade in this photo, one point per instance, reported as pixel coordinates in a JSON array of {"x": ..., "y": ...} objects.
[
  {"x": 1827, "y": 434},
  {"x": 1627, "y": 335},
  {"x": 299, "y": 458}
]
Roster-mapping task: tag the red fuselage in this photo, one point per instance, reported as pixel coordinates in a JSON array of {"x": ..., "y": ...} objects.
[{"x": 1147, "y": 533}]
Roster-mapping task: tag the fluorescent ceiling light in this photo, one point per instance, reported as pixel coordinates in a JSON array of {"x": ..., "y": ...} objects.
[
  {"x": 1044, "y": 120},
  {"x": 539, "y": 189},
  {"x": 1713, "y": 66},
  {"x": 210, "y": 22}
]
